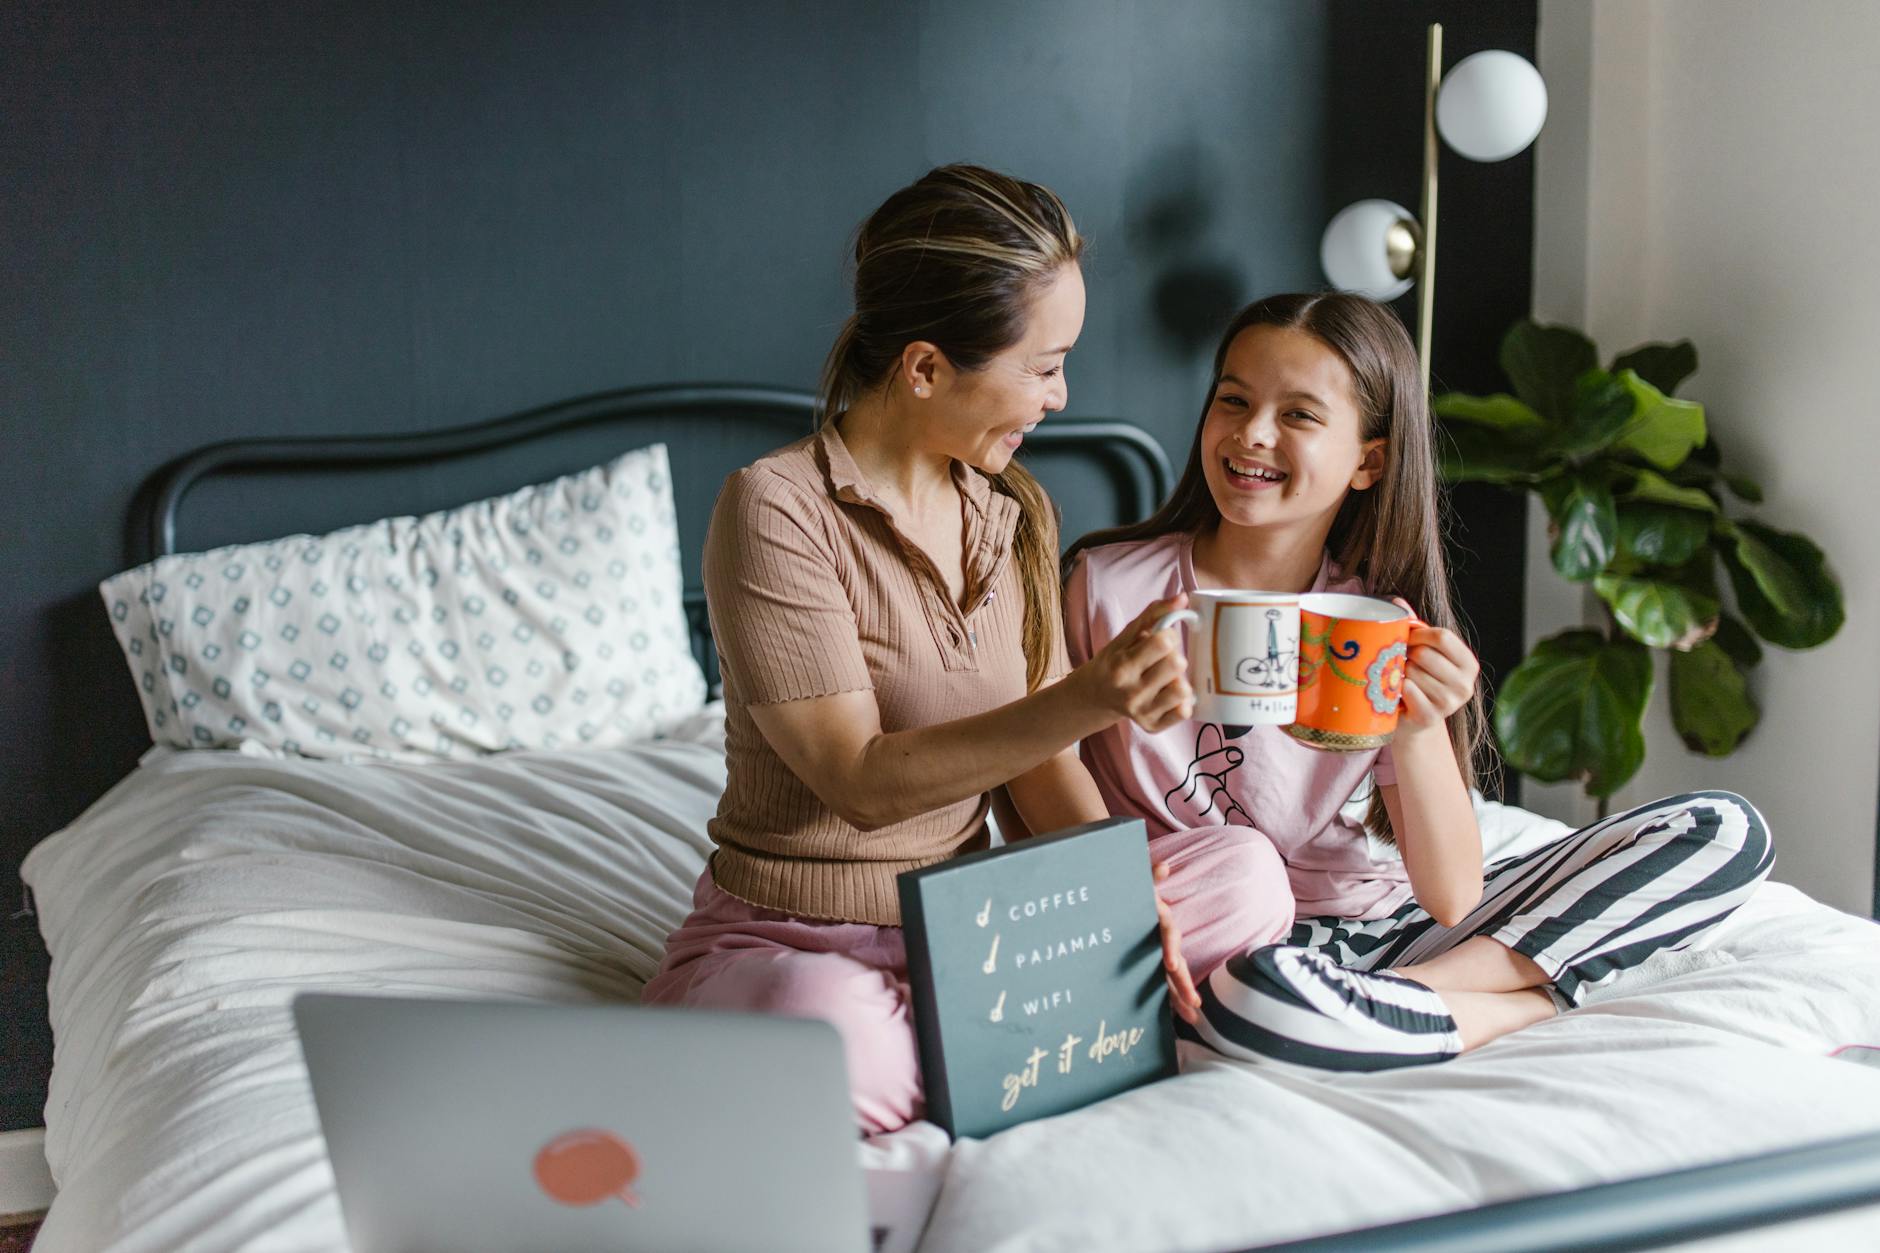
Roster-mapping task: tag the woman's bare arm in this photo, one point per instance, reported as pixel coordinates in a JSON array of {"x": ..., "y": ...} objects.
[
  {"x": 1056, "y": 794},
  {"x": 873, "y": 779}
]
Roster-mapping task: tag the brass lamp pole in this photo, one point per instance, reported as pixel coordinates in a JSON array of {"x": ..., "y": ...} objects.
[{"x": 1426, "y": 265}]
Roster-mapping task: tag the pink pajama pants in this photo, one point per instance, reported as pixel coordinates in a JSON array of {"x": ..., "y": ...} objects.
[{"x": 1227, "y": 890}]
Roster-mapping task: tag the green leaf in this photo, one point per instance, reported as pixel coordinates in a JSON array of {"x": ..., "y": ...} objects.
[
  {"x": 1573, "y": 710},
  {"x": 1778, "y": 580},
  {"x": 1554, "y": 490},
  {"x": 1664, "y": 366},
  {"x": 1662, "y": 535},
  {"x": 1710, "y": 701},
  {"x": 1659, "y": 612},
  {"x": 1783, "y": 585},
  {"x": 1734, "y": 638},
  {"x": 1699, "y": 574},
  {"x": 1476, "y": 454},
  {"x": 1544, "y": 363},
  {"x": 1694, "y": 473},
  {"x": 1500, "y": 411},
  {"x": 1586, "y": 529},
  {"x": 1709, "y": 453},
  {"x": 1662, "y": 430},
  {"x": 1744, "y": 488},
  {"x": 1655, "y": 487},
  {"x": 1602, "y": 408}
]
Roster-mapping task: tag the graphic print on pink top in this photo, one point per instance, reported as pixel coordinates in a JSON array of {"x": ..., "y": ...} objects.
[
  {"x": 1202, "y": 798},
  {"x": 1197, "y": 774}
]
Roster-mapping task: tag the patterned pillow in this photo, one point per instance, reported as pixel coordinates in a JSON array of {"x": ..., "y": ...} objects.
[{"x": 550, "y": 617}]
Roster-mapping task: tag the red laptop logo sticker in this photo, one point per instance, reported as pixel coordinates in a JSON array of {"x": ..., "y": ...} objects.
[{"x": 588, "y": 1167}]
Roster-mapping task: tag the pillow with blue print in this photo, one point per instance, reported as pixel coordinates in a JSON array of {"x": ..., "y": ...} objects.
[{"x": 550, "y": 617}]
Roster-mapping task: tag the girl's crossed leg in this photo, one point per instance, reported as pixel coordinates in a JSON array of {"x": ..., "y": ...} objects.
[{"x": 1551, "y": 926}]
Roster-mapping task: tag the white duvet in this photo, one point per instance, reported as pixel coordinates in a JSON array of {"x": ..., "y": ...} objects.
[{"x": 185, "y": 909}]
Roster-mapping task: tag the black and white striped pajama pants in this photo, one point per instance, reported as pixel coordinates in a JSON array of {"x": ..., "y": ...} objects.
[{"x": 1585, "y": 908}]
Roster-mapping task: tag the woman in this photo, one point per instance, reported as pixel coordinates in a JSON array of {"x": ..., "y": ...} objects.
[{"x": 884, "y": 599}]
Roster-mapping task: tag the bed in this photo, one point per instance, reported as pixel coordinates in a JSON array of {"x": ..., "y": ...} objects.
[{"x": 186, "y": 907}]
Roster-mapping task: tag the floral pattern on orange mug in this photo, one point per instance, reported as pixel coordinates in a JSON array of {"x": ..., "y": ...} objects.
[{"x": 1354, "y": 652}]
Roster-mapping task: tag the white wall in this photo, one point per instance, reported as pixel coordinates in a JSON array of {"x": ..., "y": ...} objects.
[{"x": 1710, "y": 170}]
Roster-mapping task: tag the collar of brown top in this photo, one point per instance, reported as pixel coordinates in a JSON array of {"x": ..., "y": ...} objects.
[
  {"x": 847, "y": 482},
  {"x": 989, "y": 532}
]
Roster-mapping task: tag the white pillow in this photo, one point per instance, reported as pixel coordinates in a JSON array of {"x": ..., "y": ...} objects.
[{"x": 550, "y": 617}]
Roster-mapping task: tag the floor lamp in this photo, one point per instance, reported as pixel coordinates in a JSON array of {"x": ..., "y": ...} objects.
[{"x": 1489, "y": 108}]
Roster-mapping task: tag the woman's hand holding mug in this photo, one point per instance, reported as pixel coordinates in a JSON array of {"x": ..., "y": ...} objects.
[
  {"x": 1244, "y": 652},
  {"x": 1142, "y": 674}
]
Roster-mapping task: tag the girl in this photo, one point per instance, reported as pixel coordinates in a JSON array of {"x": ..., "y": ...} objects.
[
  {"x": 1312, "y": 470},
  {"x": 883, "y": 596}
]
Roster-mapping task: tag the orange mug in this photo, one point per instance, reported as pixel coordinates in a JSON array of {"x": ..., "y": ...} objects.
[{"x": 1353, "y": 654}]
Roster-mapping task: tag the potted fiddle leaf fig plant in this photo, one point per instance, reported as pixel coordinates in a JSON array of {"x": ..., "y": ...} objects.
[{"x": 1639, "y": 505}]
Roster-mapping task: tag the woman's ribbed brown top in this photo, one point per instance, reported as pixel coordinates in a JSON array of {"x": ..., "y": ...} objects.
[{"x": 814, "y": 590}]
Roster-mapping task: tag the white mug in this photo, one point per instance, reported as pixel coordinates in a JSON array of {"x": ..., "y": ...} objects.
[{"x": 1243, "y": 655}]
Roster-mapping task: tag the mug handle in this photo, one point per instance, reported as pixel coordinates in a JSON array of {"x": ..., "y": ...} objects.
[
  {"x": 1174, "y": 616},
  {"x": 1415, "y": 620}
]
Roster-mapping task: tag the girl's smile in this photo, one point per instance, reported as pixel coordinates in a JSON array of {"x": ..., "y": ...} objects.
[
  {"x": 1283, "y": 438},
  {"x": 1247, "y": 474}
]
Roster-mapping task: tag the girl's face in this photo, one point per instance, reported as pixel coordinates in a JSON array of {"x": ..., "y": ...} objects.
[
  {"x": 981, "y": 417},
  {"x": 1282, "y": 441}
]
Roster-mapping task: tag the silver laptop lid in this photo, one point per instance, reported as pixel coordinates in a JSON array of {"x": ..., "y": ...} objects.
[{"x": 471, "y": 1126}]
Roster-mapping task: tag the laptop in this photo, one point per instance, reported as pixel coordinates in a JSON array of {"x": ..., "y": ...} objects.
[{"x": 479, "y": 1126}]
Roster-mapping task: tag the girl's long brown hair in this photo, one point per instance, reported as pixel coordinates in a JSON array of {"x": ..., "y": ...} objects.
[
  {"x": 1389, "y": 536},
  {"x": 957, "y": 259}
]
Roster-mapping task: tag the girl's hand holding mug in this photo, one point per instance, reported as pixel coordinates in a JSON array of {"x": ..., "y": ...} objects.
[
  {"x": 1142, "y": 674},
  {"x": 1442, "y": 674}
]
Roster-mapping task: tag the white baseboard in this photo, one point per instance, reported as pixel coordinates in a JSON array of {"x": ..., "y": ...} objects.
[{"x": 25, "y": 1182}]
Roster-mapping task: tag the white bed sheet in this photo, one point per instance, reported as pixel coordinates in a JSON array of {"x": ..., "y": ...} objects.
[
  {"x": 187, "y": 907},
  {"x": 1714, "y": 1053}
]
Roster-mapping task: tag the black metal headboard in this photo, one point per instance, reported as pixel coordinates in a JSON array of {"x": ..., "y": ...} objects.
[{"x": 709, "y": 430}]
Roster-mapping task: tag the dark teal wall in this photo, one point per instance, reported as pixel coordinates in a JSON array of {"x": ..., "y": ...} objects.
[{"x": 297, "y": 218}]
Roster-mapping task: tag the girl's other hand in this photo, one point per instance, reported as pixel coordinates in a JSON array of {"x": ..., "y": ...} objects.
[
  {"x": 1142, "y": 674},
  {"x": 1441, "y": 676},
  {"x": 1183, "y": 997}
]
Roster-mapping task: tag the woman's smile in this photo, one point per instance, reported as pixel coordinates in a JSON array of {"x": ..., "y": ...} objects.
[{"x": 1014, "y": 438}]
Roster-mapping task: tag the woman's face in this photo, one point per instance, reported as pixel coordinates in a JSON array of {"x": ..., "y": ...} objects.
[
  {"x": 980, "y": 417},
  {"x": 1282, "y": 441}
]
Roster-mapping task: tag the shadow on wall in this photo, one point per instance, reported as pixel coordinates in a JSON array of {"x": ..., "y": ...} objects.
[
  {"x": 92, "y": 697},
  {"x": 1195, "y": 289}
]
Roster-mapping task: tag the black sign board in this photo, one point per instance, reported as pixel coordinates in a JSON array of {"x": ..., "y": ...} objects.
[{"x": 1037, "y": 976}]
